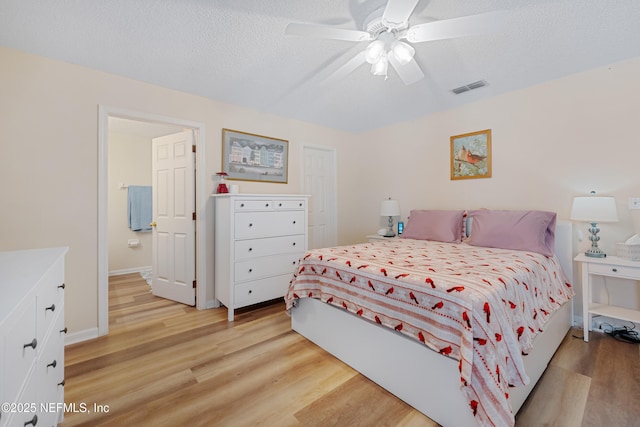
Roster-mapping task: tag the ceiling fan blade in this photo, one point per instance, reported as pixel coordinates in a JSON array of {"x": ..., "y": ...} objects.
[
  {"x": 409, "y": 73},
  {"x": 456, "y": 27},
  {"x": 397, "y": 12},
  {"x": 323, "y": 32},
  {"x": 346, "y": 69}
]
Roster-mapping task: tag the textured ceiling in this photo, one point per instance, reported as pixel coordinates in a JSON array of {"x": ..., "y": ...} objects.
[{"x": 236, "y": 51}]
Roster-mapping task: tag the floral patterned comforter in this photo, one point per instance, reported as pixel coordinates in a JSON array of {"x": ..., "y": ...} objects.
[{"x": 480, "y": 306}]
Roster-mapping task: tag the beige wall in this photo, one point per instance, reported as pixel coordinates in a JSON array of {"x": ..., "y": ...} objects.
[
  {"x": 130, "y": 164},
  {"x": 49, "y": 157},
  {"x": 550, "y": 143}
]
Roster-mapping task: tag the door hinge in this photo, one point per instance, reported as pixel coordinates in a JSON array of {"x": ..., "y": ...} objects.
[
  {"x": 193, "y": 216},
  {"x": 194, "y": 284}
]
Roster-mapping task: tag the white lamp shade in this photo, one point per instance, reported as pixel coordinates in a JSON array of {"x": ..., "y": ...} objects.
[
  {"x": 594, "y": 209},
  {"x": 389, "y": 208},
  {"x": 402, "y": 52},
  {"x": 380, "y": 67},
  {"x": 374, "y": 51}
]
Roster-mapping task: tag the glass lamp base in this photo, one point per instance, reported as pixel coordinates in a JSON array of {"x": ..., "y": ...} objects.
[{"x": 595, "y": 253}]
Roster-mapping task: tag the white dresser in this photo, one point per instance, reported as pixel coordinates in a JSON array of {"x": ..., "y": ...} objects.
[
  {"x": 259, "y": 240},
  {"x": 32, "y": 337}
]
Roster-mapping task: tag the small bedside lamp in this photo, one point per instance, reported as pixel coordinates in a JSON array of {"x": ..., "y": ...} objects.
[
  {"x": 594, "y": 209},
  {"x": 390, "y": 208}
]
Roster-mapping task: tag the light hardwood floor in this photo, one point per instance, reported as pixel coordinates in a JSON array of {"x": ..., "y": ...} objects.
[{"x": 165, "y": 364}]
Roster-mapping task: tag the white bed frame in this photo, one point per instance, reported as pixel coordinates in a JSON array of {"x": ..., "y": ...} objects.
[{"x": 419, "y": 376}]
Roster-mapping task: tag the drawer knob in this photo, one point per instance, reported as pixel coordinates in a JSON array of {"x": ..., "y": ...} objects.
[
  {"x": 61, "y": 286},
  {"x": 242, "y": 205},
  {"x": 266, "y": 205},
  {"x": 279, "y": 204},
  {"x": 294, "y": 263},
  {"x": 250, "y": 224},
  {"x": 250, "y": 249},
  {"x": 250, "y": 270},
  {"x": 250, "y": 291},
  {"x": 52, "y": 307},
  {"x": 64, "y": 331},
  {"x": 33, "y": 421},
  {"x": 294, "y": 243},
  {"x": 300, "y": 205},
  {"x": 615, "y": 270},
  {"x": 52, "y": 364},
  {"x": 294, "y": 222},
  {"x": 61, "y": 383},
  {"x": 33, "y": 344}
]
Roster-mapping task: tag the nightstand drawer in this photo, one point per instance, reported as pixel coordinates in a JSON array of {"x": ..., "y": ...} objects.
[{"x": 615, "y": 271}]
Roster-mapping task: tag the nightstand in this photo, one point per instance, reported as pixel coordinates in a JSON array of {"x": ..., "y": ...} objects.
[
  {"x": 376, "y": 238},
  {"x": 610, "y": 266}
]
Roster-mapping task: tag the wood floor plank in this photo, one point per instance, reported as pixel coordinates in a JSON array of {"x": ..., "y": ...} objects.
[
  {"x": 166, "y": 364},
  {"x": 350, "y": 405},
  {"x": 560, "y": 400}
]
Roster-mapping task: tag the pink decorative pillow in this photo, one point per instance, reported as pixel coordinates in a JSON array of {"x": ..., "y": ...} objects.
[
  {"x": 439, "y": 225},
  {"x": 532, "y": 231}
]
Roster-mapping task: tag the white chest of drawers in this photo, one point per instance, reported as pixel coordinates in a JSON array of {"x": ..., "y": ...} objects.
[
  {"x": 32, "y": 337},
  {"x": 259, "y": 240}
]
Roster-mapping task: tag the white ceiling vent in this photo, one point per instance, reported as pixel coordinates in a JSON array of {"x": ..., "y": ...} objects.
[{"x": 468, "y": 87}]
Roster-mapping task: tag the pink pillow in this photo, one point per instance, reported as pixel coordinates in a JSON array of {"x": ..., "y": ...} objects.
[
  {"x": 532, "y": 231},
  {"x": 439, "y": 225}
]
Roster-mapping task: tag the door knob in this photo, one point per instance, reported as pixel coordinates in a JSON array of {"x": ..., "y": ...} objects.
[{"x": 153, "y": 224}]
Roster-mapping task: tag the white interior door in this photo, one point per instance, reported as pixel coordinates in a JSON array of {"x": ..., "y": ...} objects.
[
  {"x": 320, "y": 183},
  {"x": 173, "y": 217}
]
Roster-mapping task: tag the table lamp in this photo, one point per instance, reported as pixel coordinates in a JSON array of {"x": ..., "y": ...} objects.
[
  {"x": 594, "y": 209},
  {"x": 390, "y": 208}
]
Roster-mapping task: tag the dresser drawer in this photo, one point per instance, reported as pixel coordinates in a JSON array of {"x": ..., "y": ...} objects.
[
  {"x": 289, "y": 204},
  {"x": 49, "y": 298},
  {"x": 615, "y": 270},
  {"x": 50, "y": 368},
  {"x": 253, "y": 205},
  {"x": 246, "y": 249},
  {"x": 28, "y": 402},
  {"x": 257, "y": 291},
  {"x": 19, "y": 352},
  {"x": 258, "y": 268},
  {"x": 249, "y": 225}
]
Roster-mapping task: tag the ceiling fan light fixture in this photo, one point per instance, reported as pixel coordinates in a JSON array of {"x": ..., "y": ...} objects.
[
  {"x": 374, "y": 52},
  {"x": 380, "y": 67},
  {"x": 402, "y": 52}
]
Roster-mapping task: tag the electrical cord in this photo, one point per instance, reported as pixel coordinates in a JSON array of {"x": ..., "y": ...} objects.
[{"x": 624, "y": 333}]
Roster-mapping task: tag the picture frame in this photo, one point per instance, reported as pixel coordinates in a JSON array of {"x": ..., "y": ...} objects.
[
  {"x": 251, "y": 157},
  {"x": 471, "y": 155}
]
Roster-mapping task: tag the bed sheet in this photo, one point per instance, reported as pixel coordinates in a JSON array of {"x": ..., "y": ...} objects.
[{"x": 480, "y": 306}]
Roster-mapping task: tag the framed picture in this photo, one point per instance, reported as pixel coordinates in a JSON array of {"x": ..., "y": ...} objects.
[
  {"x": 471, "y": 155},
  {"x": 250, "y": 157}
]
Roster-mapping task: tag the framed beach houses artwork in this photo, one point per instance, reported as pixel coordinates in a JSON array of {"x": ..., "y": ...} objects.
[{"x": 250, "y": 157}]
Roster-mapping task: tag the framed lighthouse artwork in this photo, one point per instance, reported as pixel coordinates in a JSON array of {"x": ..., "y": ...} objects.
[{"x": 471, "y": 155}]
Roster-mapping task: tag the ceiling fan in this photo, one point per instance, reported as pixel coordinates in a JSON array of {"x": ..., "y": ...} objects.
[{"x": 390, "y": 37}]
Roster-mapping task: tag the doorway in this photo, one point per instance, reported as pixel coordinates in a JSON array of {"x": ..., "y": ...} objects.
[{"x": 158, "y": 123}]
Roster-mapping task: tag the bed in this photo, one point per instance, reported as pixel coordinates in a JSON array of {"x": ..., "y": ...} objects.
[{"x": 460, "y": 331}]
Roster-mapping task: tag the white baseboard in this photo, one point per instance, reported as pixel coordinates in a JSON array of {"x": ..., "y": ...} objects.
[
  {"x": 129, "y": 270},
  {"x": 76, "y": 337}
]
